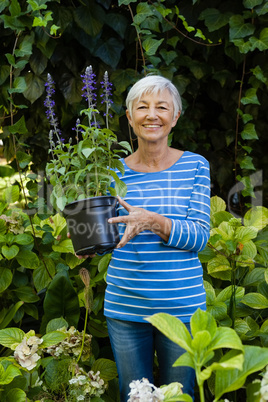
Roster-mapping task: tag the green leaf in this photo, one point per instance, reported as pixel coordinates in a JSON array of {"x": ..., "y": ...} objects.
[
  {"x": 56, "y": 323},
  {"x": 151, "y": 45},
  {"x": 246, "y": 163},
  {"x": 7, "y": 376},
  {"x": 226, "y": 338},
  {"x": 26, "y": 294},
  {"x": 12, "y": 194},
  {"x": 65, "y": 246},
  {"x": 230, "y": 380},
  {"x": 23, "y": 159},
  {"x": 23, "y": 239},
  {"x": 28, "y": 259},
  {"x": 89, "y": 19},
  {"x": 255, "y": 300},
  {"x": 10, "y": 314},
  {"x": 173, "y": 328},
  {"x": 238, "y": 27},
  {"x": 10, "y": 252},
  {"x": 61, "y": 300},
  {"x": 256, "y": 217},
  {"x": 251, "y": 3},
  {"x": 110, "y": 51},
  {"x": 19, "y": 85},
  {"x": 217, "y": 205},
  {"x": 214, "y": 19},
  {"x": 250, "y": 97},
  {"x": 5, "y": 278},
  {"x": 43, "y": 274},
  {"x": 35, "y": 87},
  {"x": 52, "y": 338},
  {"x": 10, "y": 337},
  {"x": 16, "y": 394},
  {"x": 19, "y": 128},
  {"x": 203, "y": 321},
  {"x": 106, "y": 367}
]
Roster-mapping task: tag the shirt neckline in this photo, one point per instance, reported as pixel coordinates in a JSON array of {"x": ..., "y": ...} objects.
[{"x": 158, "y": 171}]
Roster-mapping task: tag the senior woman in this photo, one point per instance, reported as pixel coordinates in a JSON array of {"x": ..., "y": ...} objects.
[{"x": 164, "y": 223}]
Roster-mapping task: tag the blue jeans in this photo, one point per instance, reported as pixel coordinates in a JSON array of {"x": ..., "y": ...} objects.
[{"x": 133, "y": 345}]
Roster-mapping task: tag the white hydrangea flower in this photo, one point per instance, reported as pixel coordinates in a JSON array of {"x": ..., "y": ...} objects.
[
  {"x": 264, "y": 387},
  {"x": 25, "y": 352},
  {"x": 144, "y": 391},
  {"x": 80, "y": 398}
]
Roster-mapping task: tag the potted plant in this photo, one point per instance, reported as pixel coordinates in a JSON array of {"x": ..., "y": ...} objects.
[{"x": 82, "y": 172}]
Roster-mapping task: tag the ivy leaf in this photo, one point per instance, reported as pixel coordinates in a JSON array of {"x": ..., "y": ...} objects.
[
  {"x": 19, "y": 85},
  {"x": 151, "y": 45},
  {"x": 126, "y": 2},
  {"x": 35, "y": 87},
  {"x": 251, "y": 3},
  {"x": 249, "y": 132},
  {"x": 90, "y": 19},
  {"x": 18, "y": 128},
  {"x": 110, "y": 51},
  {"x": 262, "y": 42},
  {"x": 214, "y": 19},
  {"x": 246, "y": 163},
  {"x": 238, "y": 28},
  {"x": 250, "y": 97}
]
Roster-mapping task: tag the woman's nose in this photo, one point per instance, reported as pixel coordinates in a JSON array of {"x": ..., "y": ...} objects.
[{"x": 151, "y": 112}]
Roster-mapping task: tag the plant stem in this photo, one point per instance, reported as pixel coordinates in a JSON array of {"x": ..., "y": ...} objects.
[{"x": 83, "y": 340}]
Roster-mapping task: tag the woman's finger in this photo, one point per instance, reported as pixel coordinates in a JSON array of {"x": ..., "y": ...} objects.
[{"x": 124, "y": 204}]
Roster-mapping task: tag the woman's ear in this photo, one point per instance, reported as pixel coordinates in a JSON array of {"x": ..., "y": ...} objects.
[
  {"x": 176, "y": 118},
  {"x": 129, "y": 117}
]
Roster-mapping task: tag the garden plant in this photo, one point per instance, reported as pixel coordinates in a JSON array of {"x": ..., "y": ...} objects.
[{"x": 51, "y": 302}]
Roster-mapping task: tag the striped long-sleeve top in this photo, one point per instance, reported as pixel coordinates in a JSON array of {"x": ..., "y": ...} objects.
[{"x": 149, "y": 275}]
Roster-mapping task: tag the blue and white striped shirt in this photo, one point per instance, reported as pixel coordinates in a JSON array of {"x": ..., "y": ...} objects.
[{"x": 149, "y": 275}]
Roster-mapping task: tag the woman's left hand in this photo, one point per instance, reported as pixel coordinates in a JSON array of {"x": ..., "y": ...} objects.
[{"x": 136, "y": 221}]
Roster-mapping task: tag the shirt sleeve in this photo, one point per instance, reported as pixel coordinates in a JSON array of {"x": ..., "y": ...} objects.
[{"x": 192, "y": 233}]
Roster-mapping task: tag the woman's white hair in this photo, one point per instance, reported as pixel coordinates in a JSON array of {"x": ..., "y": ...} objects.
[{"x": 152, "y": 84}]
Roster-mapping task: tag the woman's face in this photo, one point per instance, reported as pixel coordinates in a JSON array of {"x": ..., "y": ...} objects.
[{"x": 152, "y": 116}]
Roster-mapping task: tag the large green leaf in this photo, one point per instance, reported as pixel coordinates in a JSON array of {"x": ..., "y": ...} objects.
[
  {"x": 17, "y": 395},
  {"x": 214, "y": 19},
  {"x": 28, "y": 259},
  {"x": 106, "y": 367},
  {"x": 90, "y": 19},
  {"x": 5, "y": 278},
  {"x": 52, "y": 338},
  {"x": 61, "y": 300},
  {"x": 35, "y": 87},
  {"x": 173, "y": 328},
  {"x": 255, "y": 300},
  {"x": 26, "y": 294},
  {"x": 238, "y": 27},
  {"x": 8, "y": 317},
  {"x": 11, "y": 337},
  {"x": 256, "y": 217},
  {"x": 7, "y": 376},
  {"x": 110, "y": 51},
  {"x": 229, "y": 380}
]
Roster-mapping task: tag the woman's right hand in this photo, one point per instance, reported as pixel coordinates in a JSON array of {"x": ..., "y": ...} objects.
[{"x": 80, "y": 257}]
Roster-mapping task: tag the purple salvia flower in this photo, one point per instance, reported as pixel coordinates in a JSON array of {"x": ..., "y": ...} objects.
[
  {"x": 50, "y": 104},
  {"x": 89, "y": 88},
  {"x": 106, "y": 95}
]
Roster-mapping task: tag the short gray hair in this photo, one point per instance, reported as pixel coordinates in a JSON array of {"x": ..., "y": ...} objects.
[{"x": 153, "y": 84}]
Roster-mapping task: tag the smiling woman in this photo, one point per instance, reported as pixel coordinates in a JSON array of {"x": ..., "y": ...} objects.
[{"x": 163, "y": 224}]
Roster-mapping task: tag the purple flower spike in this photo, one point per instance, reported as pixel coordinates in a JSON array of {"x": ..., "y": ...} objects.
[
  {"x": 106, "y": 95},
  {"x": 50, "y": 104},
  {"x": 89, "y": 88}
]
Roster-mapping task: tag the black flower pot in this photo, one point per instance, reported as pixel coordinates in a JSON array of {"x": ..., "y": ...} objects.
[{"x": 87, "y": 222}]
